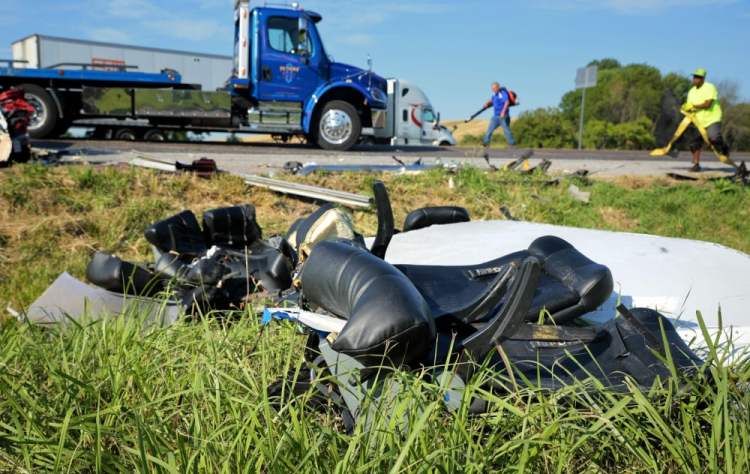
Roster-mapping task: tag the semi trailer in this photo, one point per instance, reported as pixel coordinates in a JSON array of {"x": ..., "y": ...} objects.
[{"x": 282, "y": 82}]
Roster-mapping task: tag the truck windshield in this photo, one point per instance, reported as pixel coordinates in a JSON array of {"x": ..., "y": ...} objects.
[
  {"x": 428, "y": 115},
  {"x": 283, "y": 36}
]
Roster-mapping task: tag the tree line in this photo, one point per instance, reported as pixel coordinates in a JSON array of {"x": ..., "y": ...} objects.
[{"x": 632, "y": 107}]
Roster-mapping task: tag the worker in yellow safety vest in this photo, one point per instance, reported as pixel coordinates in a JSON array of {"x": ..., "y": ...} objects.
[{"x": 703, "y": 103}]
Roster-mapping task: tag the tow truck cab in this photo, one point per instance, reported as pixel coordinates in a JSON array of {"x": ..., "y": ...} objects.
[{"x": 292, "y": 86}]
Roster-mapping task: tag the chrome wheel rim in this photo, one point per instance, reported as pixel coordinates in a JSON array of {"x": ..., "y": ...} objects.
[
  {"x": 336, "y": 126},
  {"x": 40, "y": 111}
]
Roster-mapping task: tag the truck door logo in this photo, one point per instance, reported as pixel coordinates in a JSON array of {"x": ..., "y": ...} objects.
[
  {"x": 414, "y": 118},
  {"x": 289, "y": 72}
]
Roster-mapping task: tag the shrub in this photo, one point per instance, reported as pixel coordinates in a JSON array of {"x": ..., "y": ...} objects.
[
  {"x": 634, "y": 135},
  {"x": 544, "y": 128}
]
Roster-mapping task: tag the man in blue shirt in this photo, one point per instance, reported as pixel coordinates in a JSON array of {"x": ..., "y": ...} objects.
[{"x": 500, "y": 116}]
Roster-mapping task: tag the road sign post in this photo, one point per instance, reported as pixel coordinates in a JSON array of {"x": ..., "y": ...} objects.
[{"x": 586, "y": 78}]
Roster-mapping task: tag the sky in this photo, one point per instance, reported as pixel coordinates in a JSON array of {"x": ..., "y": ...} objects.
[{"x": 452, "y": 49}]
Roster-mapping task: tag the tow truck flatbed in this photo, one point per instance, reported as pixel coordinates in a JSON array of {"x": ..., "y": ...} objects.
[{"x": 161, "y": 79}]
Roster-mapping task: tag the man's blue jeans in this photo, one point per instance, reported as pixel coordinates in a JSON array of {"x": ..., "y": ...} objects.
[{"x": 495, "y": 122}]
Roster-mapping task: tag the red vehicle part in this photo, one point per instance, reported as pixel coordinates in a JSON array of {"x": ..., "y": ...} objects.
[
  {"x": 17, "y": 111},
  {"x": 18, "y": 115}
]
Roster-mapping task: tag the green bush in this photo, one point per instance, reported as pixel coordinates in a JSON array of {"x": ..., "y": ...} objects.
[
  {"x": 544, "y": 128},
  {"x": 737, "y": 126},
  {"x": 634, "y": 135}
]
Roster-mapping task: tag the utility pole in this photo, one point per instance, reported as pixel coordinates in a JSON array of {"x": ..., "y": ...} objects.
[{"x": 585, "y": 78}]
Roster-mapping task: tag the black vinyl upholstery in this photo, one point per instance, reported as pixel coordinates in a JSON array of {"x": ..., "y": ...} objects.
[
  {"x": 233, "y": 227},
  {"x": 570, "y": 285},
  {"x": 113, "y": 274},
  {"x": 427, "y": 216},
  {"x": 591, "y": 282},
  {"x": 180, "y": 234},
  {"x": 386, "y": 314}
]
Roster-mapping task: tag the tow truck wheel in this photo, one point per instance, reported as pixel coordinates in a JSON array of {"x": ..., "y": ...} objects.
[
  {"x": 125, "y": 134},
  {"x": 155, "y": 135},
  {"x": 44, "y": 118},
  {"x": 339, "y": 126}
]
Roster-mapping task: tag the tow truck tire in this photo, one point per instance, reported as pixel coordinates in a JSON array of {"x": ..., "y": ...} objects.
[
  {"x": 155, "y": 135},
  {"x": 44, "y": 120},
  {"x": 126, "y": 135},
  {"x": 338, "y": 127}
]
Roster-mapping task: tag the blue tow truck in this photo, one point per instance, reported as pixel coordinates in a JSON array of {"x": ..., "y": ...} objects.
[{"x": 283, "y": 83}]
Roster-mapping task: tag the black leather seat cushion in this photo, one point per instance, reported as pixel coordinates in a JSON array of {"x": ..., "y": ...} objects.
[
  {"x": 449, "y": 289},
  {"x": 233, "y": 227},
  {"x": 386, "y": 314},
  {"x": 179, "y": 234},
  {"x": 591, "y": 281},
  {"x": 570, "y": 286}
]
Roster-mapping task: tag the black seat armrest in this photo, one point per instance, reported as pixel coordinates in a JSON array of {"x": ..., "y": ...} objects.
[
  {"x": 439, "y": 215},
  {"x": 512, "y": 314},
  {"x": 386, "y": 224},
  {"x": 489, "y": 300}
]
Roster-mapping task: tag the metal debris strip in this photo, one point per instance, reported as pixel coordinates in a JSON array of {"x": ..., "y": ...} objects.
[
  {"x": 308, "y": 191},
  {"x": 284, "y": 187},
  {"x": 365, "y": 168},
  {"x": 297, "y": 168}
]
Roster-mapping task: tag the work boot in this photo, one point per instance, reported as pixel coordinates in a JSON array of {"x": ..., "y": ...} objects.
[{"x": 696, "y": 168}]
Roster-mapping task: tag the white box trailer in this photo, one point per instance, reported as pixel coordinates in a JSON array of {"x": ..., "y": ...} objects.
[{"x": 210, "y": 71}]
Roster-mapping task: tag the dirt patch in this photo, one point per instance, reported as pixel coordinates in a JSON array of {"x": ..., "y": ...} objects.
[{"x": 614, "y": 218}]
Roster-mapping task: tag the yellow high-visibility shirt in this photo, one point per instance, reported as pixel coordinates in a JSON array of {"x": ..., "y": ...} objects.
[{"x": 696, "y": 96}]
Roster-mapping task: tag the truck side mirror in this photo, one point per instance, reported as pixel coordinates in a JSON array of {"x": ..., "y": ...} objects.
[{"x": 302, "y": 37}]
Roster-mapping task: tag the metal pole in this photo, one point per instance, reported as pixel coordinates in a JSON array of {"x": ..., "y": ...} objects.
[{"x": 580, "y": 126}]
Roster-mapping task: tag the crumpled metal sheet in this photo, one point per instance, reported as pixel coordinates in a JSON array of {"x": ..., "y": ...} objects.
[{"x": 69, "y": 299}]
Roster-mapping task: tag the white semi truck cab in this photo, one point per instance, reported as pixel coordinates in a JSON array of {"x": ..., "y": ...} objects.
[{"x": 411, "y": 119}]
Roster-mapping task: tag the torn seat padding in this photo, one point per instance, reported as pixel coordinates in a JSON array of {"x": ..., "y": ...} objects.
[
  {"x": 180, "y": 234},
  {"x": 570, "y": 286},
  {"x": 427, "y": 216},
  {"x": 385, "y": 312}
]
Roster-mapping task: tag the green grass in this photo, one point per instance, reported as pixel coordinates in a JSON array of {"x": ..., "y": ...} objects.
[{"x": 113, "y": 397}]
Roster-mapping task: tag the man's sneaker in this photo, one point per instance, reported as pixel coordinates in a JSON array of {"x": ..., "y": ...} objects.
[{"x": 696, "y": 168}]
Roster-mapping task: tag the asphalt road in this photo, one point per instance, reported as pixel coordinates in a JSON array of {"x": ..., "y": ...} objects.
[{"x": 265, "y": 158}]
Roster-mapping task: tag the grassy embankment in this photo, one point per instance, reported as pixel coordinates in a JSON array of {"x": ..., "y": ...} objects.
[{"x": 112, "y": 397}]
